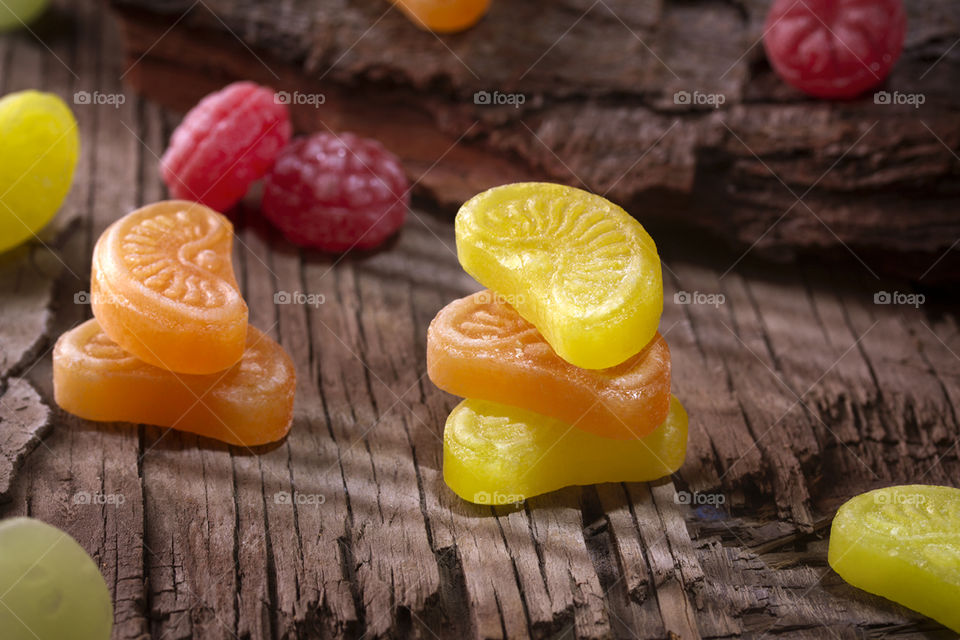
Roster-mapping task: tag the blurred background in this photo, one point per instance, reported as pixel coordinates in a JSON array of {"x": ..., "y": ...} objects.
[{"x": 669, "y": 108}]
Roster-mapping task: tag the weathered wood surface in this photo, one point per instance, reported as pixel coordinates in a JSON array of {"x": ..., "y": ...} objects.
[
  {"x": 801, "y": 392},
  {"x": 768, "y": 167}
]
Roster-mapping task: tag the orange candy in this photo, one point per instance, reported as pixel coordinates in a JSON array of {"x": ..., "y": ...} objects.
[
  {"x": 250, "y": 403},
  {"x": 479, "y": 347},
  {"x": 162, "y": 287},
  {"x": 444, "y": 16}
]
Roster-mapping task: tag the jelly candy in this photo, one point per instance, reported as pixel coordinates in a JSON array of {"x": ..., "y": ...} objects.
[
  {"x": 225, "y": 143},
  {"x": 50, "y": 588},
  {"x": 834, "y": 48},
  {"x": 163, "y": 287},
  {"x": 479, "y": 347},
  {"x": 575, "y": 265},
  {"x": 494, "y": 454},
  {"x": 336, "y": 192},
  {"x": 38, "y": 135},
  {"x": 16, "y": 13},
  {"x": 249, "y": 404},
  {"x": 903, "y": 543},
  {"x": 444, "y": 16}
]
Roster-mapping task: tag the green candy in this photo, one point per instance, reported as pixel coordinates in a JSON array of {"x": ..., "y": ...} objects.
[
  {"x": 50, "y": 589},
  {"x": 16, "y": 13}
]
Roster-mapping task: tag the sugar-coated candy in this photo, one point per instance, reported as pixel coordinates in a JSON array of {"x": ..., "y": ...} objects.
[
  {"x": 224, "y": 144},
  {"x": 17, "y": 13},
  {"x": 572, "y": 263},
  {"x": 163, "y": 288},
  {"x": 250, "y": 403},
  {"x": 494, "y": 453},
  {"x": 903, "y": 543},
  {"x": 336, "y": 192},
  {"x": 40, "y": 143},
  {"x": 479, "y": 347},
  {"x": 50, "y": 589},
  {"x": 834, "y": 48}
]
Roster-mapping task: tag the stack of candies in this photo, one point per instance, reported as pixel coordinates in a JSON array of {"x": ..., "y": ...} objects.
[
  {"x": 169, "y": 343},
  {"x": 567, "y": 378}
]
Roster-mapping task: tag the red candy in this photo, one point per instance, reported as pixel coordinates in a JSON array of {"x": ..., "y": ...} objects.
[
  {"x": 834, "y": 48},
  {"x": 336, "y": 192},
  {"x": 229, "y": 140}
]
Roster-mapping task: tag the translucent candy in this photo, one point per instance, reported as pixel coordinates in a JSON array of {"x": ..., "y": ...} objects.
[
  {"x": 575, "y": 265},
  {"x": 479, "y": 347},
  {"x": 51, "y": 589},
  {"x": 163, "y": 287},
  {"x": 249, "y": 404},
  {"x": 494, "y": 454},
  {"x": 444, "y": 16},
  {"x": 903, "y": 543},
  {"x": 40, "y": 143}
]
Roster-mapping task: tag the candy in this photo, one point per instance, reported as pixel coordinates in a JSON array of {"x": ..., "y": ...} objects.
[
  {"x": 249, "y": 404},
  {"x": 336, "y": 192},
  {"x": 444, "y": 16},
  {"x": 16, "y": 13},
  {"x": 38, "y": 135},
  {"x": 50, "y": 589},
  {"x": 229, "y": 140},
  {"x": 903, "y": 543},
  {"x": 493, "y": 453},
  {"x": 834, "y": 48},
  {"x": 479, "y": 347},
  {"x": 575, "y": 265},
  {"x": 162, "y": 287}
]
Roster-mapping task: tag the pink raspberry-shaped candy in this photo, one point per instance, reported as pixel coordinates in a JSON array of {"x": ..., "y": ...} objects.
[
  {"x": 336, "y": 192},
  {"x": 225, "y": 143},
  {"x": 834, "y": 48}
]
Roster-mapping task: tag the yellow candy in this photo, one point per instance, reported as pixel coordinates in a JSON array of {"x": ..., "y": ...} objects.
[
  {"x": 903, "y": 543},
  {"x": 496, "y": 454},
  {"x": 39, "y": 142},
  {"x": 572, "y": 263},
  {"x": 17, "y": 13}
]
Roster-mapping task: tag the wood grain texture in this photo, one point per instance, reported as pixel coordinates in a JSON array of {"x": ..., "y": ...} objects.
[
  {"x": 769, "y": 168},
  {"x": 801, "y": 392}
]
